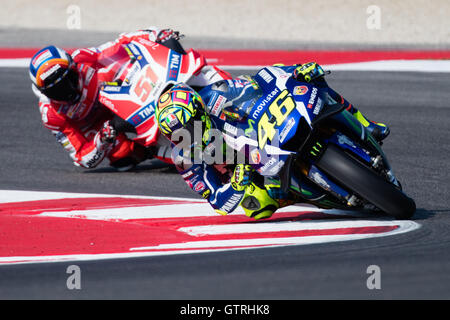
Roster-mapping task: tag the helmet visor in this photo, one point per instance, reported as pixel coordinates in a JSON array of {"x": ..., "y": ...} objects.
[{"x": 63, "y": 87}]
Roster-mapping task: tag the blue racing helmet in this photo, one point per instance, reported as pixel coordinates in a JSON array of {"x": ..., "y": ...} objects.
[{"x": 54, "y": 73}]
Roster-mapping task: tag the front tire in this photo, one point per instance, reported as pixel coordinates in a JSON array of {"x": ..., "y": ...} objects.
[{"x": 366, "y": 183}]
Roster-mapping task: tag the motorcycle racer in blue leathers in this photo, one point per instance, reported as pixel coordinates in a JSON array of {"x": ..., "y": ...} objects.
[{"x": 228, "y": 185}]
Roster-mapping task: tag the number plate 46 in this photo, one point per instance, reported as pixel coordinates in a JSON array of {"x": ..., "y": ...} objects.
[{"x": 279, "y": 110}]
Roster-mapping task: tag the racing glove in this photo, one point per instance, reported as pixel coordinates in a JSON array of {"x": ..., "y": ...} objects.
[
  {"x": 242, "y": 177},
  {"x": 308, "y": 72},
  {"x": 162, "y": 35},
  {"x": 167, "y": 34},
  {"x": 108, "y": 133}
]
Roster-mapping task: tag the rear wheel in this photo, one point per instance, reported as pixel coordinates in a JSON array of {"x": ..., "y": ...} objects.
[{"x": 366, "y": 183}]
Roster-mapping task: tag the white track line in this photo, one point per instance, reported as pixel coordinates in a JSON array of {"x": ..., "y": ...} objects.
[
  {"x": 433, "y": 66},
  {"x": 439, "y": 66},
  {"x": 283, "y": 226},
  {"x": 7, "y": 196}
]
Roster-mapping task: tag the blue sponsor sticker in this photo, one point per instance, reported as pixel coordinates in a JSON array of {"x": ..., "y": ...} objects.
[
  {"x": 142, "y": 114},
  {"x": 174, "y": 66}
]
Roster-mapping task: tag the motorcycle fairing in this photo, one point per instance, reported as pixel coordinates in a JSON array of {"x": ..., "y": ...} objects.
[
  {"x": 274, "y": 119},
  {"x": 152, "y": 66}
]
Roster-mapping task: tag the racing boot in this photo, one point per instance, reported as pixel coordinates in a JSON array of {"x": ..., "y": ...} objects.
[
  {"x": 378, "y": 130},
  {"x": 257, "y": 203}
]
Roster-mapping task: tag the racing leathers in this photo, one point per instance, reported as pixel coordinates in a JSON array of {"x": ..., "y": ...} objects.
[
  {"x": 226, "y": 186},
  {"x": 86, "y": 128}
]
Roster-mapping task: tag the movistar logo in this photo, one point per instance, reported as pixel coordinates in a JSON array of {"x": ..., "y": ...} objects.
[{"x": 263, "y": 103}]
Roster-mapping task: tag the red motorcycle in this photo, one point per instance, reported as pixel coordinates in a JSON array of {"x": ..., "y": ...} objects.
[{"x": 144, "y": 70}]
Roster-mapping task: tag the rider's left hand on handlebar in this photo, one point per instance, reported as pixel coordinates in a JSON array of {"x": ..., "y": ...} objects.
[
  {"x": 308, "y": 72},
  {"x": 167, "y": 34}
]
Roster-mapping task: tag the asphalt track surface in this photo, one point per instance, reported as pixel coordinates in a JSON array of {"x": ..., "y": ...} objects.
[{"x": 415, "y": 265}]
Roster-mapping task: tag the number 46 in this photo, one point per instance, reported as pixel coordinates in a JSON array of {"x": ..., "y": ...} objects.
[{"x": 280, "y": 108}]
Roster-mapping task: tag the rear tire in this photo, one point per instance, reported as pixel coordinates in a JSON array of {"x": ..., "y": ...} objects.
[{"x": 366, "y": 183}]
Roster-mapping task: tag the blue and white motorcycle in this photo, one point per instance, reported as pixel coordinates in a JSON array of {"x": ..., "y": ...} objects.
[{"x": 298, "y": 137}]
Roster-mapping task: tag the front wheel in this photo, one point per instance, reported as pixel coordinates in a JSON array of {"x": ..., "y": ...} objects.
[{"x": 366, "y": 183}]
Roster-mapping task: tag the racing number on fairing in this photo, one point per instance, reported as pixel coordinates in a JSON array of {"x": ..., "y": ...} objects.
[
  {"x": 280, "y": 108},
  {"x": 145, "y": 84}
]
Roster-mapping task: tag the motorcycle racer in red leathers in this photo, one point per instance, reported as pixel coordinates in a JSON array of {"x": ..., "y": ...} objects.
[{"x": 67, "y": 87}]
